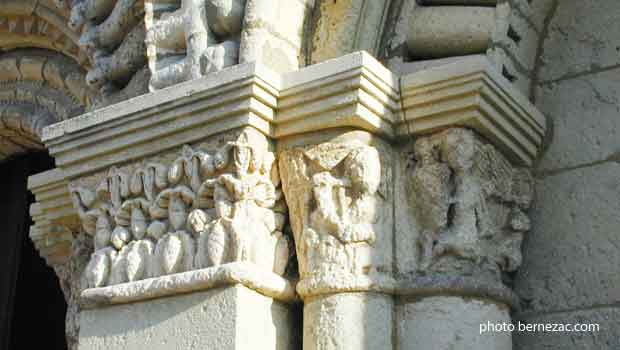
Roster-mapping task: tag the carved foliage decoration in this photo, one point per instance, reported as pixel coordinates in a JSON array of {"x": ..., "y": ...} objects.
[
  {"x": 203, "y": 210},
  {"x": 338, "y": 207},
  {"x": 469, "y": 203}
]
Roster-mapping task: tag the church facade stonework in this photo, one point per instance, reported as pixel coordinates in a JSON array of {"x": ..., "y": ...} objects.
[{"x": 319, "y": 175}]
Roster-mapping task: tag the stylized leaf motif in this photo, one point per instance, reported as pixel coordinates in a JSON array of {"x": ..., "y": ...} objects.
[
  {"x": 138, "y": 223},
  {"x": 98, "y": 270},
  {"x": 172, "y": 254},
  {"x": 135, "y": 264}
]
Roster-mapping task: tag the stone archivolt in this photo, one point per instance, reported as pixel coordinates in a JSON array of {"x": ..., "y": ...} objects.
[
  {"x": 37, "y": 88},
  {"x": 187, "y": 39},
  {"x": 192, "y": 38},
  {"x": 203, "y": 210},
  {"x": 470, "y": 206},
  {"x": 41, "y": 24},
  {"x": 113, "y": 37}
]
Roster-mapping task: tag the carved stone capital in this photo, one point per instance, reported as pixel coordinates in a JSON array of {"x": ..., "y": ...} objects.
[
  {"x": 190, "y": 209},
  {"x": 55, "y": 221},
  {"x": 340, "y": 210},
  {"x": 470, "y": 208}
]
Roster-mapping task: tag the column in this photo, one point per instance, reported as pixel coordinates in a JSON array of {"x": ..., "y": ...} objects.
[
  {"x": 338, "y": 191},
  {"x": 468, "y": 204}
]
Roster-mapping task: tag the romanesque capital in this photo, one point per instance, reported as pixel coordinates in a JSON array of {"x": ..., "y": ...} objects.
[
  {"x": 193, "y": 210},
  {"x": 470, "y": 207},
  {"x": 339, "y": 200}
]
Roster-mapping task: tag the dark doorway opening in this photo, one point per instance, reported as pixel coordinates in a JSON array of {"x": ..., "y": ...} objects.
[{"x": 32, "y": 305}]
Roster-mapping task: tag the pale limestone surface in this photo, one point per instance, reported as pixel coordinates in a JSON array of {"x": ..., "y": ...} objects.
[
  {"x": 37, "y": 88},
  {"x": 181, "y": 38},
  {"x": 579, "y": 270},
  {"x": 607, "y": 317},
  {"x": 246, "y": 274},
  {"x": 112, "y": 35},
  {"x": 450, "y": 323},
  {"x": 469, "y": 204},
  {"x": 347, "y": 26},
  {"x": 471, "y": 93},
  {"x": 340, "y": 210},
  {"x": 203, "y": 209},
  {"x": 576, "y": 43},
  {"x": 525, "y": 41},
  {"x": 40, "y": 24},
  {"x": 275, "y": 33},
  {"x": 507, "y": 32},
  {"x": 164, "y": 199},
  {"x": 348, "y": 321},
  {"x": 575, "y": 278},
  {"x": 584, "y": 113},
  {"x": 450, "y": 31},
  {"x": 189, "y": 39},
  {"x": 234, "y": 318}
]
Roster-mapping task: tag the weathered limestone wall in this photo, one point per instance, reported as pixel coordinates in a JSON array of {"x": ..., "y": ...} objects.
[{"x": 571, "y": 267}]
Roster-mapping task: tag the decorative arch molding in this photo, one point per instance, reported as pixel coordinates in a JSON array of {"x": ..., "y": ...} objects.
[
  {"x": 38, "y": 87},
  {"x": 41, "y": 24}
]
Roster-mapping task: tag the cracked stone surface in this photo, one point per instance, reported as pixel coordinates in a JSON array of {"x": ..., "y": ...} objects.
[
  {"x": 572, "y": 255},
  {"x": 578, "y": 43},
  {"x": 584, "y": 112}
]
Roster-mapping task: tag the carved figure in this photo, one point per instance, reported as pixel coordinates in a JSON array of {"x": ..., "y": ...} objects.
[
  {"x": 113, "y": 38},
  {"x": 336, "y": 209},
  {"x": 470, "y": 201},
  {"x": 203, "y": 210},
  {"x": 432, "y": 197},
  {"x": 197, "y": 38}
]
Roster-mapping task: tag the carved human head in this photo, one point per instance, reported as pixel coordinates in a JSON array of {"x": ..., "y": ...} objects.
[
  {"x": 245, "y": 158},
  {"x": 197, "y": 221}
]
